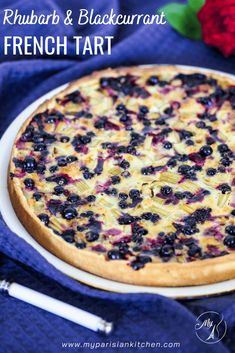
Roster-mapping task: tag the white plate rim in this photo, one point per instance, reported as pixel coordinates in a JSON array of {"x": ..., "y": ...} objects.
[{"x": 15, "y": 225}]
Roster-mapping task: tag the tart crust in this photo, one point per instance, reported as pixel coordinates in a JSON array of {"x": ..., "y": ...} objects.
[{"x": 168, "y": 274}]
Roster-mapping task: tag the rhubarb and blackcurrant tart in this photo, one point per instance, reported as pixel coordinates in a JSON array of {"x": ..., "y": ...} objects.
[{"x": 129, "y": 174}]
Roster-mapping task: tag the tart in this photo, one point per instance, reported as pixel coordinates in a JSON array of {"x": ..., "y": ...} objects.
[{"x": 129, "y": 174}]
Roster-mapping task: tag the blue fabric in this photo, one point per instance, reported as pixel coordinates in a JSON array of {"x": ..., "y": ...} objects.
[{"x": 142, "y": 317}]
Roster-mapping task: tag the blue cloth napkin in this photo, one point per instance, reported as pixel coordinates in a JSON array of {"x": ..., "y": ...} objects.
[{"x": 138, "y": 317}]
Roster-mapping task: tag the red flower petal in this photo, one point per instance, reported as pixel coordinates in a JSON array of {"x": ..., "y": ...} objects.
[
  {"x": 229, "y": 23},
  {"x": 217, "y": 18}
]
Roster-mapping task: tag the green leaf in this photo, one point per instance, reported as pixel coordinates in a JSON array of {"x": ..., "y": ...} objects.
[
  {"x": 183, "y": 19},
  {"x": 196, "y": 5}
]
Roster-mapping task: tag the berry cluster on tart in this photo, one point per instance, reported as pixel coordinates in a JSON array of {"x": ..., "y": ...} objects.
[{"x": 129, "y": 174}]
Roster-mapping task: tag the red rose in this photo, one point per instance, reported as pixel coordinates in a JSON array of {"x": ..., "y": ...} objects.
[{"x": 217, "y": 18}]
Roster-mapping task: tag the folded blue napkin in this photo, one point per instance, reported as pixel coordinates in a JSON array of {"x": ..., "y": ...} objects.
[{"x": 138, "y": 317}]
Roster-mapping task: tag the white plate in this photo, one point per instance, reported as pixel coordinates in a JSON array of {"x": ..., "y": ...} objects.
[{"x": 14, "y": 224}]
